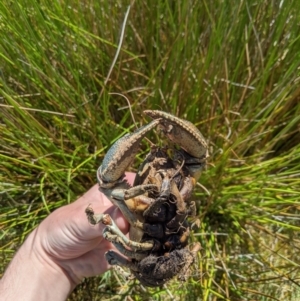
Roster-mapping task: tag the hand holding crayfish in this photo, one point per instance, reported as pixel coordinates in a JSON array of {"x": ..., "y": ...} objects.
[{"x": 61, "y": 251}]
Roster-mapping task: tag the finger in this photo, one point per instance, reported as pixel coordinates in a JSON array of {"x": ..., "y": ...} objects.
[
  {"x": 130, "y": 176},
  {"x": 90, "y": 263},
  {"x": 119, "y": 219}
]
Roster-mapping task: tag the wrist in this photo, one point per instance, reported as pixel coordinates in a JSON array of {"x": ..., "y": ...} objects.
[{"x": 33, "y": 275}]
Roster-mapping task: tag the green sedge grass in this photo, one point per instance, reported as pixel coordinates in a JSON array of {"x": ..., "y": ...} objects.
[{"x": 230, "y": 68}]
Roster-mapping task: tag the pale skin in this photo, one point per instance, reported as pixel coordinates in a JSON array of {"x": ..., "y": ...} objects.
[{"x": 61, "y": 251}]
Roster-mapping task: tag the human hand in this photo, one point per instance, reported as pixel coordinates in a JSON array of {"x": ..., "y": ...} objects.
[
  {"x": 70, "y": 241},
  {"x": 62, "y": 250}
]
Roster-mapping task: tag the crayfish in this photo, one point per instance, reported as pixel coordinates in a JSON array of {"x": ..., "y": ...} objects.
[{"x": 158, "y": 204}]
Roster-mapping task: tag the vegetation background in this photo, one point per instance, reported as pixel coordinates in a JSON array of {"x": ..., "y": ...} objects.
[{"x": 230, "y": 67}]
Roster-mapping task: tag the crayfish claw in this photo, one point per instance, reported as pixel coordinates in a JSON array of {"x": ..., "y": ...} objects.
[
  {"x": 121, "y": 154},
  {"x": 181, "y": 132}
]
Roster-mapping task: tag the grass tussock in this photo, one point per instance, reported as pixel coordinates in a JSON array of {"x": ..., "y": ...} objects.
[{"x": 231, "y": 68}]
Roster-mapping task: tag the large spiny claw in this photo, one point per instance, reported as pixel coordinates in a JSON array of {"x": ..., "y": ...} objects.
[
  {"x": 187, "y": 136},
  {"x": 121, "y": 154},
  {"x": 181, "y": 132}
]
